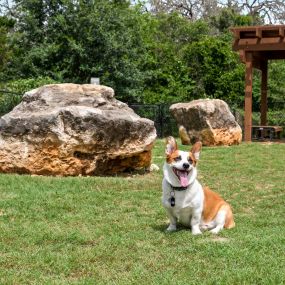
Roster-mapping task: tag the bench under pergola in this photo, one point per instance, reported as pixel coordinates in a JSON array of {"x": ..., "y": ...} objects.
[{"x": 256, "y": 45}]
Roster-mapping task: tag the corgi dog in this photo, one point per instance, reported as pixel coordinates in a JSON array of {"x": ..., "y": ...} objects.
[{"x": 184, "y": 198}]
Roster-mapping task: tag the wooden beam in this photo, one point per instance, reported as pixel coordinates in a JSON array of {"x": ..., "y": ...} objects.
[
  {"x": 258, "y": 57},
  {"x": 280, "y": 54},
  {"x": 263, "y": 44},
  {"x": 256, "y": 60},
  {"x": 258, "y": 33},
  {"x": 263, "y": 102},
  {"x": 263, "y": 55},
  {"x": 281, "y": 32},
  {"x": 253, "y": 28},
  {"x": 242, "y": 55},
  {"x": 236, "y": 35},
  {"x": 248, "y": 97}
]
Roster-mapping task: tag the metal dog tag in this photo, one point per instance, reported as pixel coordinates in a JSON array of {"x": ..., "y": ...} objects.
[{"x": 172, "y": 199}]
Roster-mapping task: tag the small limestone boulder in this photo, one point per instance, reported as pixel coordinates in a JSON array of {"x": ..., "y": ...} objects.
[
  {"x": 210, "y": 121},
  {"x": 70, "y": 129}
]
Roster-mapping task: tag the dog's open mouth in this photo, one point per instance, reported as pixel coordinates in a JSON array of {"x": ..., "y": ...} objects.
[{"x": 182, "y": 176}]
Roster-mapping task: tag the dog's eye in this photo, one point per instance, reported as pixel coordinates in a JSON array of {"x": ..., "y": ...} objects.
[
  {"x": 177, "y": 158},
  {"x": 190, "y": 160}
]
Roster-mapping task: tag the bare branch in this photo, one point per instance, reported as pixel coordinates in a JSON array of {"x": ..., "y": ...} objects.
[
  {"x": 271, "y": 11},
  {"x": 9, "y": 8},
  {"x": 192, "y": 9}
]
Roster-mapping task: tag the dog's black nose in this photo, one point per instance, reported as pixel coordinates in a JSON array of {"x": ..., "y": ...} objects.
[{"x": 186, "y": 165}]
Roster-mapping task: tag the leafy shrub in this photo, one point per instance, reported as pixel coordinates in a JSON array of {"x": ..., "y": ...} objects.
[
  {"x": 8, "y": 101},
  {"x": 11, "y": 92},
  {"x": 21, "y": 86},
  {"x": 215, "y": 69}
]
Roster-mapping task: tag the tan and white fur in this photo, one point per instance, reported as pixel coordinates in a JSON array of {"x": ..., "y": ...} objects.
[{"x": 195, "y": 206}]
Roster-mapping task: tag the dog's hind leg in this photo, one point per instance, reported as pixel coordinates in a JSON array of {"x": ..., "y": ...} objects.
[{"x": 219, "y": 222}]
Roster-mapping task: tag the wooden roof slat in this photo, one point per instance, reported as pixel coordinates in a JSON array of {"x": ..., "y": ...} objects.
[
  {"x": 259, "y": 32},
  {"x": 253, "y": 28},
  {"x": 263, "y": 42}
]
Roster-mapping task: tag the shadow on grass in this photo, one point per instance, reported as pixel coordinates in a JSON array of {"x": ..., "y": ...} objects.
[{"x": 162, "y": 228}]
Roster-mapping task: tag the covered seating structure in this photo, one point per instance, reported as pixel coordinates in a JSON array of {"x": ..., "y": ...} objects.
[{"x": 256, "y": 46}]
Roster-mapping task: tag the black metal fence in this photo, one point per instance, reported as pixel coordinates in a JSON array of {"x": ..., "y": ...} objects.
[
  {"x": 159, "y": 113},
  {"x": 166, "y": 125},
  {"x": 164, "y": 122}
]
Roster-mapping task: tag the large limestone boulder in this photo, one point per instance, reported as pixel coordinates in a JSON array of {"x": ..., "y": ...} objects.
[
  {"x": 207, "y": 120},
  {"x": 70, "y": 129}
]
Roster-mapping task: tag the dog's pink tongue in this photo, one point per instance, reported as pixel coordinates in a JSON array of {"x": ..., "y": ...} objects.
[{"x": 183, "y": 175}]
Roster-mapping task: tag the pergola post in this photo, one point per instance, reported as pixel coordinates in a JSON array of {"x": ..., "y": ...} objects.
[
  {"x": 263, "y": 102},
  {"x": 248, "y": 97}
]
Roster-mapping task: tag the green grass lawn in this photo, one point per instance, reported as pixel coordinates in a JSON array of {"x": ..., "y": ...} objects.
[{"x": 111, "y": 230}]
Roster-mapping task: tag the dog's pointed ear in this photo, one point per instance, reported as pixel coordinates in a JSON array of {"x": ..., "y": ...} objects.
[
  {"x": 170, "y": 146},
  {"x": 196, "y": 150}
]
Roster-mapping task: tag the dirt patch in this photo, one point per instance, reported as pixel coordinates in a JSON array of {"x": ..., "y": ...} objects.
[{"x": 220, "y": 239}]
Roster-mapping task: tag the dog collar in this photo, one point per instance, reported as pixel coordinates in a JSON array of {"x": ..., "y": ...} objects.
[
  {"x": 172, "y": 193},
  {"x": 179, "y": 188}
]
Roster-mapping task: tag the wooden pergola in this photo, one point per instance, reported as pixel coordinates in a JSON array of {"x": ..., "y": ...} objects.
[{"x": 256, "y": 45}]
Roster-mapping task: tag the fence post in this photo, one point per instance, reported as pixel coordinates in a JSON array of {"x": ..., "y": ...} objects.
[{"x": 160, "y": 119}]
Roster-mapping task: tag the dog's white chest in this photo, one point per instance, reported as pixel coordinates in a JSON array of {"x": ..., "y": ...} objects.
[{"x": 185, "y": 201}]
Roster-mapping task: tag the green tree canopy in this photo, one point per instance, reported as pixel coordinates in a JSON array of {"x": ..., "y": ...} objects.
[
  {"x": 5, "y": 25},
  {"x": 75, "y": 40},
  {"x": 146, "y": 57}
]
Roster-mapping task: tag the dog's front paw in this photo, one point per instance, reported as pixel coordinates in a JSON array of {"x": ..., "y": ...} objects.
[
  {"x": 171, "y": 228},
  {"x": 196, "y": 231}
]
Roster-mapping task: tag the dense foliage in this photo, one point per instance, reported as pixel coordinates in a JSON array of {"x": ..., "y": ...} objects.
[{"x": 146, "y": 57}]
